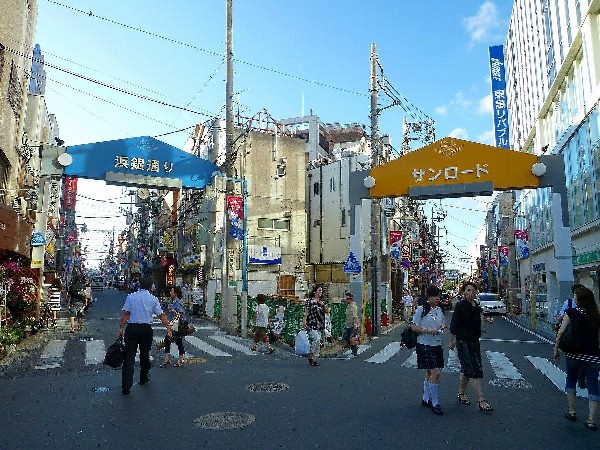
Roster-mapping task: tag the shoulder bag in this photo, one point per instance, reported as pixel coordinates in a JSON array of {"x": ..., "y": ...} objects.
[{"x": 571, "y": 340}]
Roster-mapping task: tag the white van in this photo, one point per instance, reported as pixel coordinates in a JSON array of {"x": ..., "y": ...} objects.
[{"x": 97, "y": 283}]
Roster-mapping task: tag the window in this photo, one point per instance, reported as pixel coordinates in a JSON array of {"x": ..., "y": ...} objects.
[
  {"x": 274, "y": 224},
  {"x": 332, "y": 185},
  {"x": 316, "y": 188},
  {"x": 343, "y": 221}
]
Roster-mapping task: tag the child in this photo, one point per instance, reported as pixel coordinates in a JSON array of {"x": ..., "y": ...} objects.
[{"x": 261, "y": 321}]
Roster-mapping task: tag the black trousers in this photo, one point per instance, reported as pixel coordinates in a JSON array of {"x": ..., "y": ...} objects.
[
  {"x": 178, "y": 341},
  {"x": 136, "y": 334}
]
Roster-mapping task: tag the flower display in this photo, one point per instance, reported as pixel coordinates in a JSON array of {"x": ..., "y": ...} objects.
[{"x": 20, "y": 289}]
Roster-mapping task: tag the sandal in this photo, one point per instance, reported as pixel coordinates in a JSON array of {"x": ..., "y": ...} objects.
[
  {"x": 178, "y": 364},
  {"x": 590, "y": 425},
  {"x": 484, "y": 406},
  {"x": 571, "y": 416},
  {"x": 462, "y": 398},
  {"x": 165, "y": 364}
]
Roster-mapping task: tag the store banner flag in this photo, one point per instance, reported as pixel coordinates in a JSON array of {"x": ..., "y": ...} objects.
[
  {"x": 503, "y": 252},
  {"x": 499, "y": 100},
  {"x": 522, "y": 234},
  {"x": 395, "y": 236},
  {"x": 235, "y": 215}
]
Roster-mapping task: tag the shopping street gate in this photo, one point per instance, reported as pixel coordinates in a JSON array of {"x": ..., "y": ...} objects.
[
  {"x": 139, "y": 161},
  {"x": 453, "y": 167}
]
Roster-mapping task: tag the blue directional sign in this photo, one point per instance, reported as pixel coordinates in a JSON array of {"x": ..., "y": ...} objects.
[
  {"x": 352, "y": 265},
  {"x": 139, "y": 161},
  {"x": 38, "y": 239}
]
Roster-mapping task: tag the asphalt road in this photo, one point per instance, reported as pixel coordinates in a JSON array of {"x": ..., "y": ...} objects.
[{"x": 247, "y": 401}]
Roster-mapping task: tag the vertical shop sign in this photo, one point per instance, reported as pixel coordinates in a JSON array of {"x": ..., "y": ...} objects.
[
  {"x": 70, "y": 195},
  {"x": 235, "y": 215},
  {"x": 500, "y": 106}
]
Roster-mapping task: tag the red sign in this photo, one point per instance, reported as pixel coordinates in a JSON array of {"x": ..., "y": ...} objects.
[
  {"x": 395, "y": 236},
  {"x": 70, "y": 193}
]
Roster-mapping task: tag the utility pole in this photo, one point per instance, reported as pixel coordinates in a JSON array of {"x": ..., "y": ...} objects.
[
  {"x": 375, "y": 219},
  {"x": 228, "y": 283}
]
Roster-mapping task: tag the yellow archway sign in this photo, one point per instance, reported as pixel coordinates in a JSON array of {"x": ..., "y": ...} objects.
[{"x": 454, "y": 167}]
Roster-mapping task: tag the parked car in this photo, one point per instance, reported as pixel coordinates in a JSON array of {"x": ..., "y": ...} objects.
[
  {"x": 97, "y": 283},
  {"x": 492, "y": 304},
  {"x": 446, "y": 302}
]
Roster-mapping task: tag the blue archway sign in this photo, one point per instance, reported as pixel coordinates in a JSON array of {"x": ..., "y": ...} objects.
[{"x": 139, "y": 161}]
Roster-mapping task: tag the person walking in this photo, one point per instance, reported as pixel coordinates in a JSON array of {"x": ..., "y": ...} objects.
[
  {"x": 54, "y": 298},
  {"x": 588, "y": 359},
  {"x": 351, "y": 324},
  {"x": 261, "y": 323},
  {"x": 465, "y": 331},
  {"x": 429, "y": 322},
  {"x": 408, "y": 305},
  {"x": 76, "y": 302},
  {"x": 176, "y": 314},
  {"x": 314, "y": 322},
  {"x": 137, "y": 315}
]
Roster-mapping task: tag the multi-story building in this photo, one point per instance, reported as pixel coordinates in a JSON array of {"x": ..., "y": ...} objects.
[
  {"x": 16, "y": 46},
  {"x": 552, "y": 59}
]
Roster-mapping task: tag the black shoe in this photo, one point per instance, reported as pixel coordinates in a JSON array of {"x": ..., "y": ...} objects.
[
  {"x": 426, "y": 404},
  {"x": 125, "y": 391},
  {"x": 437, "y": 409},
  {"x": 144, "y": 380}
]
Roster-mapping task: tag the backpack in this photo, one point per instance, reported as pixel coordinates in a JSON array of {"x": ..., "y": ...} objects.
[
  {"x": 571, "y": 341},
  {"x": 408, "y": 338}
]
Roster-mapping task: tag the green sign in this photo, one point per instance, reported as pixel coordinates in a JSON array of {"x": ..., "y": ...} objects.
[{"x": 586, "y": 258}]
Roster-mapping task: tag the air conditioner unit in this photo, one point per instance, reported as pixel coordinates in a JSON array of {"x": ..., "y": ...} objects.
[
  {"x": 282, "y": 161},
  {"x": 287, "y": 214},
  {"x": 280, "y": 171}
]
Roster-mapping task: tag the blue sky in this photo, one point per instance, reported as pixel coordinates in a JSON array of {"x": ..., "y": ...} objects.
[{"x": 291, "y": 57}]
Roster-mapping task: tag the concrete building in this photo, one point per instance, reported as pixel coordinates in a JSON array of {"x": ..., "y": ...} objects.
[{"x": 552, "y": 58}]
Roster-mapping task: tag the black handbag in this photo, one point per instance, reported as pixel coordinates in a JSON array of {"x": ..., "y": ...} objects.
[
  {"x": 571, "y": 340},
  {"x": 408, "y": 338},
  {"x": 115, "y": 354}
]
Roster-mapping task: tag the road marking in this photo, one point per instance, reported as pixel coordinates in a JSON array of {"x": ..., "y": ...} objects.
[
  {"x": 160, "y": 339},
  {"x": 233, "y": 344},
  {"x": 453, "y": 364},
  {"x": 502, "y": 366},
  {"x": 361, "y": 348},
  {"x": 553, "y": 373},
  {"x": 411, "y": 361},
  {"x": 94, "y": 352},
  {"x": 51, "y": 357},
  {"x": 513, "y": 341},
  {"x": 205, "y": 346},
  {"x": 383, "y": 355}
]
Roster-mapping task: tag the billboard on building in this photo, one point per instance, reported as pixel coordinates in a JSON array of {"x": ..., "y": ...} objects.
[{"x": 499, "y": 101}]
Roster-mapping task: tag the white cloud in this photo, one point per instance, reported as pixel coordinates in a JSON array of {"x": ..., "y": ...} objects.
[
  {"x": 485, "y": 24},
  {"x": 487, "y": 137},
  {"x": 485, "y": 105},
  {"x": 459, "y": 102},
  {"x": 459, "y": 133}
]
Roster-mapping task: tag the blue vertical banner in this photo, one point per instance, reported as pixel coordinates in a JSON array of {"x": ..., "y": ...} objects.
[{"x": 499, "y": 100}]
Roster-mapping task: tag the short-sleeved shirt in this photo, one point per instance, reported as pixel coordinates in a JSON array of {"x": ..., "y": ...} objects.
[
  {"x": 141, "y": 305},
  {"x": 351, "y": 314},
  {"x": 434, "y": 320},
  {"x": 262, "y": 315},
  {"x": 176, "y": 306},
  {"x": 407, "y": 300}
]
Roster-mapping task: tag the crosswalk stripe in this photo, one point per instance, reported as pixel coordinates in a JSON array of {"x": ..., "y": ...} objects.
[
  {"x": 173, "y": 346},
  {"x": 233, "y": 344},
  {"x": 502, "y": 366},
  {"x": 453, "y": 364},
  {"x": 553, "y": 373},
  {"x": 205, "y": 346},
  {"x": 51, "y": 357},
  {"x": 94, "y": 352},
  {"x": 411, "y": 361},
  {"x": 383, "y": 355},
  {"x": 361, "y": 348}
]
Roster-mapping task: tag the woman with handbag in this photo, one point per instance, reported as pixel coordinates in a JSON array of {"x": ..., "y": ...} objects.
[
  {"x": 314, "y": 322},
  {"x": 585, "y": 356},
  {"x": 465, "y": 331},
  {"x": 176, "y": 313},
  {"x": 429, "y": 322},
  {"x": 351, "y": 324}
]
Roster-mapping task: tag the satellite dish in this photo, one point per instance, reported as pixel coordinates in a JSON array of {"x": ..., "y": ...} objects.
[
  {"x": 64, "y": 159},
  {"x": 143, "y": 193}
]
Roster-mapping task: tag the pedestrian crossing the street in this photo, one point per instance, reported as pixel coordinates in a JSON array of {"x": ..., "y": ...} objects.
[{"x": 218, "y": 345}]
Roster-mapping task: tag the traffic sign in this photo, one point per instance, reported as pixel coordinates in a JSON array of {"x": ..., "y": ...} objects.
[{"x": 352, "y": 265}]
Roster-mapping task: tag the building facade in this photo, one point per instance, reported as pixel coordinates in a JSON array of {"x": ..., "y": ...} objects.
[{"x": 553, "y": 89}]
